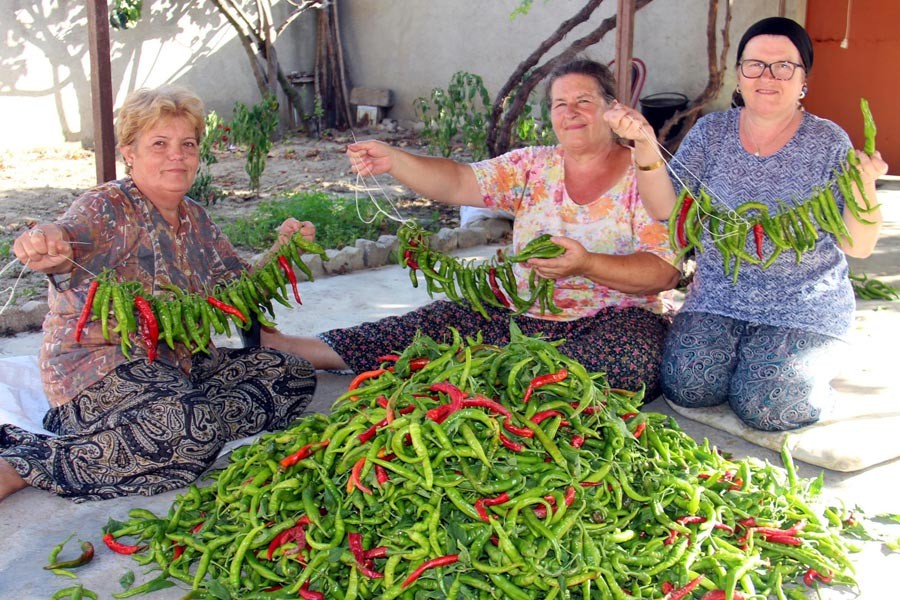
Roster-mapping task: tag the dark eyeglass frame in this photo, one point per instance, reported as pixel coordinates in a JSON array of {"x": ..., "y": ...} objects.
[{"x": 769, "y": 67}]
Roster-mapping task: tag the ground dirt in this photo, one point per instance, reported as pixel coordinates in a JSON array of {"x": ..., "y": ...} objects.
[{"x": 38, "y": 186}]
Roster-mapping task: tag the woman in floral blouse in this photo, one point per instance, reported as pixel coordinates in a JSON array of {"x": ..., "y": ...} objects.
[{"x": 609, "y": 281}]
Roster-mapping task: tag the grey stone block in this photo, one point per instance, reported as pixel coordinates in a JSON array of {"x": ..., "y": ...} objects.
[
  {"x": 497, "y": 229},
  {"x": 468, "y": 236},
  {"x": 28, "y": 317},
  {"x": 314, "y": 262},
  {"x": 374, "y": 254},
  {"x": 390, "y": 243},
  {"x": 371, "y": 97},
  {"x": 445, "y": 240},
  {"x": 345, "y": 260}
]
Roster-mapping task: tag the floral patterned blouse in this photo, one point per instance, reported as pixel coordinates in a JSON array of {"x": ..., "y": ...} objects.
[
  {"x": 114, "y": 226},
  {"x": 530, "y": 183}
]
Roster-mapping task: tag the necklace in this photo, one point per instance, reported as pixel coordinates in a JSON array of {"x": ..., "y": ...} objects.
[{"x": 752, "y": 139}]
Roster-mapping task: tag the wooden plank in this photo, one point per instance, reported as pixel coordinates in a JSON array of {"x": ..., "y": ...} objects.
[
  {"x": 624, "y": 49},
  {"x": 101, "y": 91}
]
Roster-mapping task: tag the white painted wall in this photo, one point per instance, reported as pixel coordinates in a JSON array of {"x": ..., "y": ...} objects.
[{"x": 408, "y": 46}]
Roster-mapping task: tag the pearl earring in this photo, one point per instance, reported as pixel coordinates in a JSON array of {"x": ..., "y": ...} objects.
[{"x": 803, "y": 91}]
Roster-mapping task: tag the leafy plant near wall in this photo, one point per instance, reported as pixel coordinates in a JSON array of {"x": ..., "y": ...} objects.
[
  {"x": 124, "y": 14},
  {"x": 462, "y": 113},
  {"x": 253, "y": 128},
  {"x": 217, "y": 131}
]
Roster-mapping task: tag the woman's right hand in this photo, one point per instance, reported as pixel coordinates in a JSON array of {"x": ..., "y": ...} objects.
[
  {"x": 370, "y": 157},
  {"x": 44, "y": 248}
]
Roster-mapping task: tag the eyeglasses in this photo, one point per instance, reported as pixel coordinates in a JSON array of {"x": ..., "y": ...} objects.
[{"x": 781, "y": 70}]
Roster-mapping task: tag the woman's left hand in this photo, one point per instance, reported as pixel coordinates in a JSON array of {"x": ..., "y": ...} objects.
[
  {"x": 572, "y": 262},
  {"x": 871, "y": 167},
  {"x": 291, "y": 227}
]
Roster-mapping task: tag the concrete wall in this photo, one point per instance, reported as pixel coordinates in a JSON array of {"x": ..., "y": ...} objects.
[
  {"x": 45, "y": 95},
  {"x": 408, "y": 46}
]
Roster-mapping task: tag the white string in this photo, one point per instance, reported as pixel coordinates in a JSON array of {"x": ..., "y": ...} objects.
[
  {"x": 12, "y": 289},
  {"x": 729, "y": 211},
  {"x": 361, "y": 184}
]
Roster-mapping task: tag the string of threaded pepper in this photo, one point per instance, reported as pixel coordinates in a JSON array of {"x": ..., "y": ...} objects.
[
  {"x": 190, "y": 318},
  {"x": 408, "y": 488},
  {"x": 791, "y": 228},
  {"x": 478, "y": 283}
]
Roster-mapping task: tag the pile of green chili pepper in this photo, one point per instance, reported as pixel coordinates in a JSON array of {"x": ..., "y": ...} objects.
[
  {"x": 466, "y": 470},
  {"x": 791, "y": 228},
  {"x": 177, "y": 316},
  {"x": 480, "y": 283},
  {"x": 870, "y": 288}
]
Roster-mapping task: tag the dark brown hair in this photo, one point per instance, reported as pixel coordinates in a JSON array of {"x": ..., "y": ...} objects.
[{"x": 584, "y": 66}]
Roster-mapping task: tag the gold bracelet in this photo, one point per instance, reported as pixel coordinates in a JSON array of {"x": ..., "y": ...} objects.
[{"x": 652, "y": 167}]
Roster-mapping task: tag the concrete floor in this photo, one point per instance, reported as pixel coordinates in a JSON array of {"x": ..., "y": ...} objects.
[{"x": 32, "y": 521}]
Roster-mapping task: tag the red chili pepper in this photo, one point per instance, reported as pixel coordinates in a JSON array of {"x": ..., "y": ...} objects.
[
  {"x": 379, "y": 552},
  {"x": 577, "y": 441},
  {"x": 304, "y": 452},
  {"x": 811, "y": 575},
  {"x": 682, "y": 217},
  {"x": 441, "y": 561},
  {"x": 691, "y": 520},
  {"x": 542, "y": 380},
  {"x": 369, "y": 433},
  {"x": 381, "y": 475},
  {"x": 86, "y": 311},
  {"x": 569, "y": 498},
  {"x": 354, "y": 481},
  {"x": 388, "y": 358},
  {"x": 410, "y": 261},
  {"x": 495, "y": 287},
  {"x": 226, "y": 308},
  {"x": 758, "y": 235},
  {"x": 670, "y": 539},
  {"x": 543, "y": 415},
  {"x": 296, "y": 534},
  {"x": 511, "y": 445},
  {"x": 118, "y": 547},
  {"x": 482, "y": 402},
  {"x": 355, "y": 383},
  {"x": 417, "y": 364},
  {"x": 639, "y": 430},
  {"x": 149, "y": 326},
  {"x": 308, "y": 594},
  {"x": 667, "y": 587},
  {"x": 355, "y": 542},
  {"x": 720, "y": 595},
  {"x": 292, "y": 277},
  {"x": 520, "y": 431},
  {"x": 684, "y": 591}
]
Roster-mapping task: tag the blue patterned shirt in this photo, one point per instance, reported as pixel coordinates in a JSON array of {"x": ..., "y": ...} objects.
[{"x": 812, "y": 295}]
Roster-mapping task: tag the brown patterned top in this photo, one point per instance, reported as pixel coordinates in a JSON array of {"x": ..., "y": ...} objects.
[{"x": 114, "y": 226}]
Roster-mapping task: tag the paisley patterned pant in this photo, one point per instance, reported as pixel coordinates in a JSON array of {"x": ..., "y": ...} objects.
[
  {"x": 626, "y": 344},
  {"x": 148, "y": 428},
  {"x": 774, "y": 378}
]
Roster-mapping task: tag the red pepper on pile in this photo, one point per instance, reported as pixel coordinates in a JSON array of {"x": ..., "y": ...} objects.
[
  {"x": 306, "y": 451},
  {"x": 296, "y": 534},
  {"x": 355, "y": 542},
  {"x": 441, "y": 561},
  {"x": 542, "y": 380}
]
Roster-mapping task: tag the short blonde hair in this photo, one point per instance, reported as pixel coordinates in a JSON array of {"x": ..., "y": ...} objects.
[{"x": 143, "y": 108}]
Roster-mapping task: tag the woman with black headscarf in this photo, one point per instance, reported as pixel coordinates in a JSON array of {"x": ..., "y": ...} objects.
[{"x": 765, "y": 342}]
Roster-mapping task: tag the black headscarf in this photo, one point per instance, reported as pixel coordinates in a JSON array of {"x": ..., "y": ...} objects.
[{"x": 781, "y": 26}]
